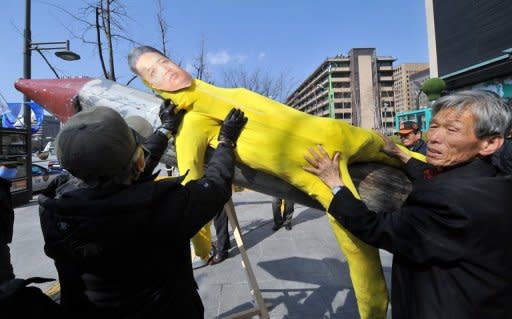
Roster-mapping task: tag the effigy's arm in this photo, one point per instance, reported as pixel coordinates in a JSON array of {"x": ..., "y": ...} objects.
[{"x": 191, "y": 142}]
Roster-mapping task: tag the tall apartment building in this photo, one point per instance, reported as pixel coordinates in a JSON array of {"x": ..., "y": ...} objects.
[
  {"x": 360, "y": 85},
  {"x": 401, "y": 87}
]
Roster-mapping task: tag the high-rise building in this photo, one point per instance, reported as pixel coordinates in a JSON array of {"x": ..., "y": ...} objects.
[
  {"x": 471, "y": 48},
  {"x": 357, "y": 88},
  {"x": 401, "y": 87}
]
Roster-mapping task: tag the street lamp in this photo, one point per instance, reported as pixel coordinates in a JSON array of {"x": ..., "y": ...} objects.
[
  {"x": 63, "y": 52},
  {"x": 28, "y": 47}
]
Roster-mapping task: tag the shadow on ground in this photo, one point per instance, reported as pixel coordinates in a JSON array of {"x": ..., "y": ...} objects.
[
  {"x": 258, "y": 230},
  {"x": 311, "y": 293}
]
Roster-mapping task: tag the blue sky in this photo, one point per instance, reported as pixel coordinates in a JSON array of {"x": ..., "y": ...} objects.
[{"x": 291, "y": 37}]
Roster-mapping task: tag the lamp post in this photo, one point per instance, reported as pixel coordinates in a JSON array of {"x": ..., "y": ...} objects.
[
  {"x": 28, "y": 46},
  {"x": 330, "y": 96}
]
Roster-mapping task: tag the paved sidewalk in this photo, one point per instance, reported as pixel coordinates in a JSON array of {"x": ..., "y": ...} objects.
[{"x": 301, "y": 272}]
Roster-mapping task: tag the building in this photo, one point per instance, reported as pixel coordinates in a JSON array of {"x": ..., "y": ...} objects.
[
  {"x": 402, "y": 88},
  {"x": 49, "y": 129},
  {"x": 471, "y": 48},
  {"x": 357, "y": 88},
  {"x": 416, "y": 80}
]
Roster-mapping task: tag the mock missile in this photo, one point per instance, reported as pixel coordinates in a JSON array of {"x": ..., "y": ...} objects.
[{"x": 382, "y": 187}]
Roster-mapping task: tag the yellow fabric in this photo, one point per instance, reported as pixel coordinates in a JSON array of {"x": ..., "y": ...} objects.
[
  {"x": 202, "y": 241},
  {"x": 275, "y": 141}
]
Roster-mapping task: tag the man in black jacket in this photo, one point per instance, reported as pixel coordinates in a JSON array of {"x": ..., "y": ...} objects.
[
  {"x": 121, "y": 241},
  {"x": 450, "y": 239}
]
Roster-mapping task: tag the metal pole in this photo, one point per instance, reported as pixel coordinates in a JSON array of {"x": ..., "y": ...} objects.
[
  {"x": 27, "y": 74},
  {"x": 331, "y": 94},
  {"x": 48, "y": 62}
]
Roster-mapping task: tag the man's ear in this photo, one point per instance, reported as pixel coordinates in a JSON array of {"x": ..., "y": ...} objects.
[{"x": 490, "y": 145}]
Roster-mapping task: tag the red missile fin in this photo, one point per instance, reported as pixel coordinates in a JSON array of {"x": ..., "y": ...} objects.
[{"x": 57, "y": 96}]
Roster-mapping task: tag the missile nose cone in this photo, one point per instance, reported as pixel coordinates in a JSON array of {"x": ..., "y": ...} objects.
[{"x": 57, "y": 96}]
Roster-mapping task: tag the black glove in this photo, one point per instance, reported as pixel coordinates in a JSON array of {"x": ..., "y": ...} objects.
[
  {"x": 170, "y": 120},
  {"x": 232, "y": 126}
]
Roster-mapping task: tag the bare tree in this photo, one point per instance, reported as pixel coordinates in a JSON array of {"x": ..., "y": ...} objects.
[
  {"x": 276, "y": 87},
  {"x": 200, "y": 66},
  {"x": 110, "y": 17},
  {"x": 162, "y": 25}
]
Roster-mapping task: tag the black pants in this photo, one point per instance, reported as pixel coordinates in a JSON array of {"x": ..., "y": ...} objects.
[
  {"x": 286, "y": 217},
  {"x": 220, "y": 222},
  {"x": 6, "y": 271}
]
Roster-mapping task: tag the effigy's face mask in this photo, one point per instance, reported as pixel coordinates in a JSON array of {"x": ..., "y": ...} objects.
[{"x": 161, "y": 73}]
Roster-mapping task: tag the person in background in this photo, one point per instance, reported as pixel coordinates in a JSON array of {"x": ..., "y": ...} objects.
[
  {"x": 450, "y": 239},
  {"x": 120, "y": 240},
  {"x": 7, "y": 173},
  {"x": 410, "y": 135},
  {"x": 282, "y": 211},
  {"x": 220, "y": 248}
]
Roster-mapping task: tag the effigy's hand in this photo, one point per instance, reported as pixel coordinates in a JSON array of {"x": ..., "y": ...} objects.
[
  {"x": 232, "y": 127},
  {"x": 170, "y": 120},
  {"x": 323, "y": 166},
  {"x": 391, "y": 149}
]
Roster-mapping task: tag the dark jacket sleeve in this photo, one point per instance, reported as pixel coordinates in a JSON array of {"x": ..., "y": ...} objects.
[
  {"x": 414, "y": 232},
  {"x": 415, "y": 169},
  {"x": 199, "y": 200},
  {"x": 156, "y": 144}
]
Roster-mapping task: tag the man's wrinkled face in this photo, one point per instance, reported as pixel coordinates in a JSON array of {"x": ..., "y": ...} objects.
[
  {"x": 161, "y": 73},
  {"x": 411, "y": 138},
  {"x": 451, "y": 138}
]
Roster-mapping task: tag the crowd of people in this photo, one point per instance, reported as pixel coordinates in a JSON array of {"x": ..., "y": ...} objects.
[{"x": 448, "y": 240}]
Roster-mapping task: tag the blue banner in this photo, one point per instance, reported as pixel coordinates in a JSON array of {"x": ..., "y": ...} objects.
[{"x": 12, "y": 118}]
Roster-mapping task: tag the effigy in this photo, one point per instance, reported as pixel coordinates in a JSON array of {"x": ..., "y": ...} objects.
[{"x": 269, "y": 154}]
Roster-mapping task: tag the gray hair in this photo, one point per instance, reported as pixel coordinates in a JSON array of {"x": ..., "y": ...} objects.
[
  {"x": 135, "y": 54},
  {"x": 493, "y": 116}
]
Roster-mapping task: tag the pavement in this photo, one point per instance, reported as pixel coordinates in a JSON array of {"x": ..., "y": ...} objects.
[{"x": 301, "y": 273}]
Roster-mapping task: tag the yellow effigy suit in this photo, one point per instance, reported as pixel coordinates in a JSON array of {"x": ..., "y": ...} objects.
[{"x": 275, "y": 140}]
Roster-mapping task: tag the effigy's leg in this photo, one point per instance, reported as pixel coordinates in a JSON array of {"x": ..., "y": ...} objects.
[
  {"x": 363, "y": 263},
  {"x": 365, "y": 271},
  {"x": 202, "y": 242}
]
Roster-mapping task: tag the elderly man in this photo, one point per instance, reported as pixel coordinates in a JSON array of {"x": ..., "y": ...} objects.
[
  {"x": 119, "y": 239},
  {"x": 410, "y": 135},
  {"x": 449, "y": 239}
]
